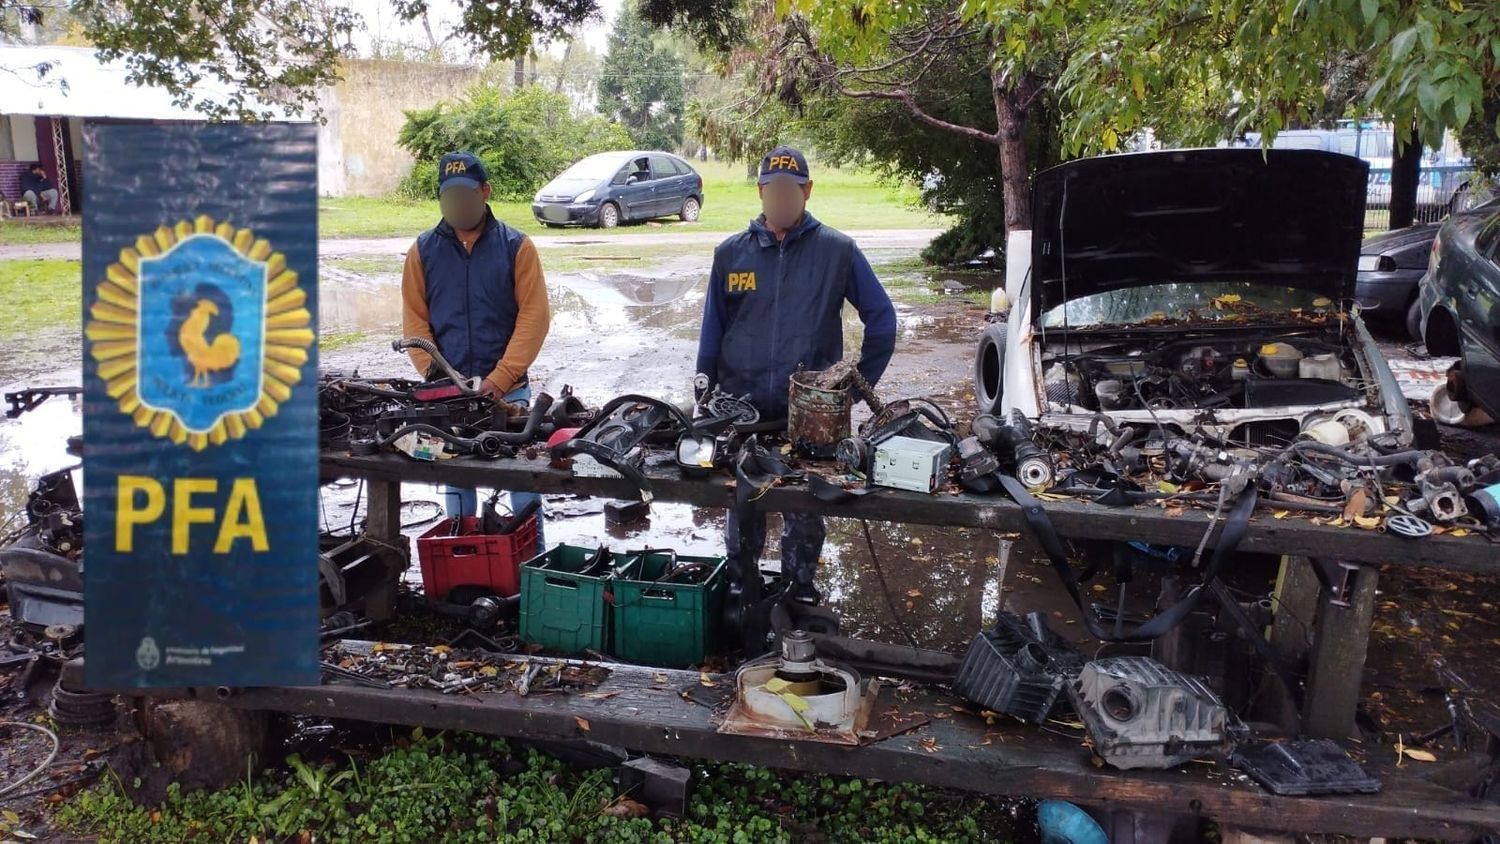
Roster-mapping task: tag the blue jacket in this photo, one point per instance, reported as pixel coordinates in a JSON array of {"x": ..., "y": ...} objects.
[
  {"x": 471, "y": 296},
  {"x": 774, "y": 306}
]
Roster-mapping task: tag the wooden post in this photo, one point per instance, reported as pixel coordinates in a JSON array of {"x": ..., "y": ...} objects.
[
  {"x": 1293, "y": 613},
  {"x": 1337, "y": 664},
  {"x": 383, "y": 524}
]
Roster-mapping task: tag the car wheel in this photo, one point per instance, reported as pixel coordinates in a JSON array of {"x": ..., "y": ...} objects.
[
  {"x": 691, "y": 208},
  {"x": 989, "y": 369},
  {"x": 1414, "y": 319},
  {"x": 609, "y": 215}
]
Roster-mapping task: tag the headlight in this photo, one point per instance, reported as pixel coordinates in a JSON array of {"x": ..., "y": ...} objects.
[{"x": 585, "y": 196}]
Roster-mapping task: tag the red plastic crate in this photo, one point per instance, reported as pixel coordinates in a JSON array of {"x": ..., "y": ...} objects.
[{"x": 488, "y": 561}]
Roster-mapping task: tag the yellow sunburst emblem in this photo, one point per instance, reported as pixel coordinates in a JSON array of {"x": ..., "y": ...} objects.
[{"x": 200, "y": 331}]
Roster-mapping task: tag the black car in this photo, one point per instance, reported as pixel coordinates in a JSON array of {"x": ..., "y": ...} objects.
[
  {"x": 1390, "y": 265},
  {"x": 610, "y": 188},
  {"x": 1460, "y": 302}
]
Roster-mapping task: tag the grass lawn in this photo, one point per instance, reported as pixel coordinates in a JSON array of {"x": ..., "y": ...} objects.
[
  {"x": 845, "y": 199},
  {"x": 40, "y": 295},
  {"x": 23, "y": 232}
]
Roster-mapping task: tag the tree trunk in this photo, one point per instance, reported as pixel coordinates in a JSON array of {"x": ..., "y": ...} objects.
[
  {"x": 518, "y": 77},
  {"x": 1011, "y": 105},
  {"x": 531, "y": 72},
  {"x": 562, "y": 67},
  {"x": 1406, "y": 168}
]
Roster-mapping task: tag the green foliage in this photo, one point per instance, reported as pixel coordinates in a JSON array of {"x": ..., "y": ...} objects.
[
  {"x": 524, "y": 138},
  {"x": 471, "y": 789},
  {"x": 641, "y": 87},
  {"x": 1198, "y": 71},
  {"x": 188, "y": 46}
]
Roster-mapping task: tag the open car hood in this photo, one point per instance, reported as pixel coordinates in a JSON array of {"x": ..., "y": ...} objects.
[{"x": 1290, "y": 218}]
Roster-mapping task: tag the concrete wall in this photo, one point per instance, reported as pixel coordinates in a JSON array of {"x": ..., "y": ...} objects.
[{"x": 357, "y": 151}]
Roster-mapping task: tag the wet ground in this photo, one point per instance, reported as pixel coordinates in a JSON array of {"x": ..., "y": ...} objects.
[{"x": 631, "y": 326}]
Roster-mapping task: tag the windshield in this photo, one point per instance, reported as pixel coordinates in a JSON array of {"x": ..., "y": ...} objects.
[
  {"x": 1226, "y": 302},
  {"x": 595, "y": 168}
]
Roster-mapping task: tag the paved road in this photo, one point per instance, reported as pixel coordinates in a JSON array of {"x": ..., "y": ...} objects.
[{"x": 341, "y": 247}]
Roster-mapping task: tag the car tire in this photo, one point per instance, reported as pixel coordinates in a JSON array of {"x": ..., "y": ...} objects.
[
  {"x": 609, "y": 215},
  {"x": 691, "y": 208},
  {"x": 989, "y": 368},
  {"x": 1414, "y": 319}
]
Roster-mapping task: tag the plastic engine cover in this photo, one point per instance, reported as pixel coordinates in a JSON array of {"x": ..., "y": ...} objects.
[
  {"x": 1019, "y": 669},
  {"x": 1141, "y": 714}
]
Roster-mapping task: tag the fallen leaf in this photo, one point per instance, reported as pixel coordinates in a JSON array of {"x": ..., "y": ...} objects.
[
  {"x": 599, "y": 695},
  {"x": 1168, "y": 488},
  {"x": 626, "y": 808},
  {"x": 1459, "y": 532},
  {"x": 583, "y": 723},
  {"x": 488, "y": 671},
  {"x": 11, "y": 817},
  {"x": 914, "y": 593},
  {"x": 1281, "y": 514},
  {"x": 1419, "y": 755},
  {"x": 658, "y": 677},
  {"x": 1356, "y": 505},
  {"x": 929, "y": 744},
  {"x": 1174, "y": 511},
  {"x": 706, "y": 680}
]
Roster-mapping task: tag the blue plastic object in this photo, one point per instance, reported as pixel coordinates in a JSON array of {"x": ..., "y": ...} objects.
[{"x": 1062, "y": 822}]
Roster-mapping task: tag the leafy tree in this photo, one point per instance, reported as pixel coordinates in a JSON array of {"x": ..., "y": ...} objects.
[
  {"x": 524, "y": 137},
  {"x": 641, "y": 84}
]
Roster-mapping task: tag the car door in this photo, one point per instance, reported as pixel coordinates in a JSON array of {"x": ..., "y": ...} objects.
[
  {"x": 1479, "y": 305},
  {"x": 637, "y": 197},
  {"x": 671, "y": 186}
]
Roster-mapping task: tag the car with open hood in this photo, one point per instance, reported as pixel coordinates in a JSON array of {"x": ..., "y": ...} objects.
[{"x": 1194, "y": 292}]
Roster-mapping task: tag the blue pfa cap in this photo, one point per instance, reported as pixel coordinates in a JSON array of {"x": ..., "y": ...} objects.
[
  {"x": 462, "y": 170},
  {"x": 784, "y": 162}
]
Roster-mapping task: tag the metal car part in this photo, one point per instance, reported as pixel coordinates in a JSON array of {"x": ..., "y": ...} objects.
[
  {"x": 797, "y": 696},
  {"x": 1141, "y": 714}
]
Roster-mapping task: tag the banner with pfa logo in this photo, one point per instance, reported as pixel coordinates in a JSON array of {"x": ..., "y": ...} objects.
[{"x": 200, "y": 404}]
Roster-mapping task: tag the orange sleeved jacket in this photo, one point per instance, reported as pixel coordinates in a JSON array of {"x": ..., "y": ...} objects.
[{"x": 533, "y": 317}]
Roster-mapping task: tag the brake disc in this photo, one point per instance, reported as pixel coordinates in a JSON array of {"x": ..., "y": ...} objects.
[{"x": 1404, "y": 524}]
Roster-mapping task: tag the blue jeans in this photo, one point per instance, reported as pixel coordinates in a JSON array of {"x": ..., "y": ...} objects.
[{"x": 461, "y": 501}]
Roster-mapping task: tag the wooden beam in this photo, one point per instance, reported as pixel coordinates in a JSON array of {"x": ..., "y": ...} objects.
[
  {"x": 383, "y": 523},
  {"x": 1293, "y": 612},
  {"x": 641, "y": 709},
  {"x": 1336, "y": 664},
  {"x": 1074, "y": 519}
]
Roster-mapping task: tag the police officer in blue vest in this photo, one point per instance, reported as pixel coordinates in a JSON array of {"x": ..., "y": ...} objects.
[
  {"x": 775, "y": 304},
  {"x": 474, "y": 287}
]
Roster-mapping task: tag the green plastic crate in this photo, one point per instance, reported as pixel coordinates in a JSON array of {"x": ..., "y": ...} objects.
[
  {"x": 671, "y": 625},
  {"x": 561, "y": 609}
]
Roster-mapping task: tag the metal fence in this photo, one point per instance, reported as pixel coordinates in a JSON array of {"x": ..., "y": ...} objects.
[{"x": 1441, "y": 190}]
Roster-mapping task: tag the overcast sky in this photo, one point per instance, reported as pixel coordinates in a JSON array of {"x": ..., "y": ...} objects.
[{"x": 381, "y": 21}]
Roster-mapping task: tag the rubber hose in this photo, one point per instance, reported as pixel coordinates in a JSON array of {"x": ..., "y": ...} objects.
[
  {"x": 437, "y": 357},
  {"x": 539, "y": 407}
]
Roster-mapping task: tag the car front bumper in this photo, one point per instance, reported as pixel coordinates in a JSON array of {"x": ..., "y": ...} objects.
[{"x": 565, "y": 214}]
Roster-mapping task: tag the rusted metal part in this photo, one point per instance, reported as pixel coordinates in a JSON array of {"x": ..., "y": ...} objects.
[
  {"x": 797, "y": 697},
  {"x": 817, "y": 418}
]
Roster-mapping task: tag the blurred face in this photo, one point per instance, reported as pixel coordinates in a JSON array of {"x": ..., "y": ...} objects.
[
  {"x": 783, "y": 201},
  {"x": 463, "y": 207}
]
